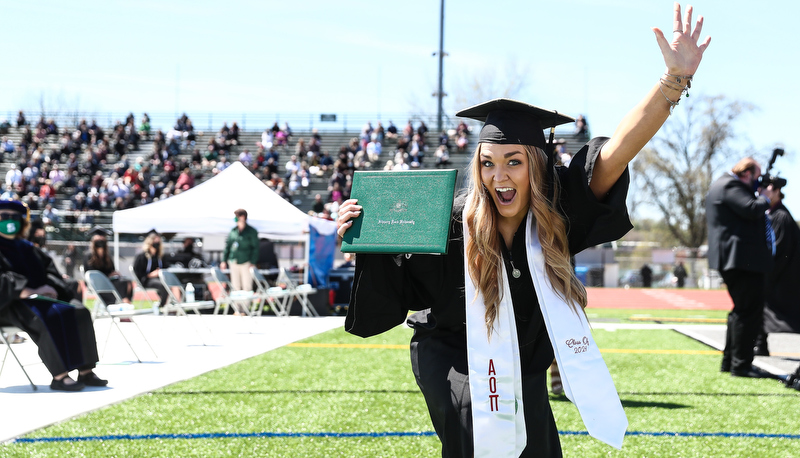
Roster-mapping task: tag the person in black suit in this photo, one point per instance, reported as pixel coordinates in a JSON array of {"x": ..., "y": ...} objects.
[
  {"x": 781, "y": 307},
  {"x": 739, "y": 248}
]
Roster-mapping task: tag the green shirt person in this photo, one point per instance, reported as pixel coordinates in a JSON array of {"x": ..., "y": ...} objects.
[{"x": 241, "y": 251}]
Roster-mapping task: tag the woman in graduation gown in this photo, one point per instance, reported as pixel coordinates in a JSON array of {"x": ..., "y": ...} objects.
[
  {"x": 149, "y": 262},
  {"x": 34, "y": 297},
  {"x": 515, "y": 190},
  {"x": 99, "y": 258}
]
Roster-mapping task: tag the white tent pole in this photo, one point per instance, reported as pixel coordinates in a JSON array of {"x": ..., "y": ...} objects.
[
  {"x": 116, "y": 250},
  {"x": 308, "y": 257}
]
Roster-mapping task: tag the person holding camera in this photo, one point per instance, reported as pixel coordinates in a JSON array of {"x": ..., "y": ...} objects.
[{"x": 741, "y": 244}]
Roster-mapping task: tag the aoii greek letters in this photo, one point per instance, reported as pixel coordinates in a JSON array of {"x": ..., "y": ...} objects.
[{"x": 493, "y": 402}]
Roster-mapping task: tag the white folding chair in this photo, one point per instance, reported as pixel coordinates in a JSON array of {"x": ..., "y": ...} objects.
[
  {"x": 239, "y": 299},
  {"x": 137, "y": 285},
  {"x": 299, "y": 292},
  {"x": 177, "y": 302},
  {"x": 10, "y": 330},
  {"x": 277, "y": 297},
  {"x": 101, "y": 287}
]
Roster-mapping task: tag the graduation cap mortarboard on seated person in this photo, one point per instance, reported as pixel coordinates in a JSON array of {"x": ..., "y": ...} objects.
[
  {"x": 152, "y": 232},
  {"x": 98, "y": 230},
  {"x": 510, "y": 122},
  {"x": 8, "y": 204}
]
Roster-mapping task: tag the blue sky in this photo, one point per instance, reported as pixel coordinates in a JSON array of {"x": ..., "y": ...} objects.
[{"x": 311, "y": 56}]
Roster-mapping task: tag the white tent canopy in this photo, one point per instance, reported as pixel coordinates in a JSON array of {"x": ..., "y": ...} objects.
[{"x": 208, "y": 209}]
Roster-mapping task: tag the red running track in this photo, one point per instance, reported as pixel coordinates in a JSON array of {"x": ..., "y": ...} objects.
[{"x": 655, "y": 298}]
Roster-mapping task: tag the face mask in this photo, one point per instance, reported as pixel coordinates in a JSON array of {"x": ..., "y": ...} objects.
[
  {"x": 10, "y": 227},
  {"x": 156, "y": 246},
  {"x": 235, "y": 220},
  {"x": 99, "y": 243},
  {"x": 39, "y": 240}
]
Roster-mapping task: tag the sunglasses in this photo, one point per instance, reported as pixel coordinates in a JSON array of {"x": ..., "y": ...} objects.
[{"x": 10, "y": 216}]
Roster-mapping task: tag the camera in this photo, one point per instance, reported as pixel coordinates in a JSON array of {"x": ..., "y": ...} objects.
[{"x": 766, "y": 179}]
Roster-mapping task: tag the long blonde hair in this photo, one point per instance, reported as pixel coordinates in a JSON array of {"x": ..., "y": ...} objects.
[
  {"x": 148, "y": 242},
  {"x": 483, "y": 249}
]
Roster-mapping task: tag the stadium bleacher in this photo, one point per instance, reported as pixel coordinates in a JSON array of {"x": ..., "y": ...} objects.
[{"x": 303, "y": 198}]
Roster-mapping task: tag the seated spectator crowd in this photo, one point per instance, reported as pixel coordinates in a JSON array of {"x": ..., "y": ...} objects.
[{"x": 68, "y": 175}]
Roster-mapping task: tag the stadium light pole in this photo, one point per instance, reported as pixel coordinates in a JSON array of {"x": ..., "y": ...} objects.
[{"x": 440, "y": 93}]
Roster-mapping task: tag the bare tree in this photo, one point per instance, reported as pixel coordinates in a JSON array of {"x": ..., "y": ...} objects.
[
  {"x": 58, "y": 105},
  {"x": 678, "y": 167},
  {"x": 492, "y": 81},
  {"x": 489, "y": 81}
]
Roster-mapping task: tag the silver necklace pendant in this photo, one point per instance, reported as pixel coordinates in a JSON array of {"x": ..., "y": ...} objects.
[{"x": 516, "y": 273}]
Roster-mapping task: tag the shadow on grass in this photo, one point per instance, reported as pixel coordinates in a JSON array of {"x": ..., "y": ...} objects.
[
  {"x": 633, "y": 393},
  {"x": 791, "y": 394},
  {"x": 629, "y": 403},
  {"x": 660, "y": 405},
  {"x": 220, "y": 392}
]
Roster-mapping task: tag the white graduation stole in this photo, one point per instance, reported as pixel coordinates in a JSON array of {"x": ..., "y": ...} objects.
[
  {"x": 495, "y": 374},
  {"x": 584, "y": 375}
]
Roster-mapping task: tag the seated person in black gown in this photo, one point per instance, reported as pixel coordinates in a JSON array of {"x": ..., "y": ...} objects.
[
  {"x": 99, "y": 258},
  {"x": 149, "y": 262},
  {"x": 34, "y": 298},
  {"x": 37, "y": 235}
]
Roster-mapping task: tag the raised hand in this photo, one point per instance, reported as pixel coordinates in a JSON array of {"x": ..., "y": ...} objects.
[{"x": 683, "y": 54}]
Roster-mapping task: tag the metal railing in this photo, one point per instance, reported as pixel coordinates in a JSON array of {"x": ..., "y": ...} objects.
[{"x": 213, "y": 121}]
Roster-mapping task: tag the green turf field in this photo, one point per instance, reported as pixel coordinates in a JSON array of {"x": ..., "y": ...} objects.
[{"x": 340, "y": 395}]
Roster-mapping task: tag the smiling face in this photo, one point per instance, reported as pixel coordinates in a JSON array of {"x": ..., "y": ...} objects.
[{"x": 504, "y": 174}]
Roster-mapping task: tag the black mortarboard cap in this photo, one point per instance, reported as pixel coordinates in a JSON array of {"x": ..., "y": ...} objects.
[
  {"x": 14, "y": 205},
  {"x": 509, "y": 121},
  {"x": 98, "y": 230},
  {"x": 152, "y": 231}
]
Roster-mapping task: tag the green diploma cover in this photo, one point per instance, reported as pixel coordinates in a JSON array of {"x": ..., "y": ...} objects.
[{"x": 402, "y": 212}]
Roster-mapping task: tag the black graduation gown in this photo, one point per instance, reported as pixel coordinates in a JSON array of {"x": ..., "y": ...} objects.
[
  {"x": 107, "y": 268},
  {"x": 63, "y": 332},
  {"x": 142, "y": 266},
  {"x": 386, "y": 287},
  {"x": 782, "y": 308}
]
